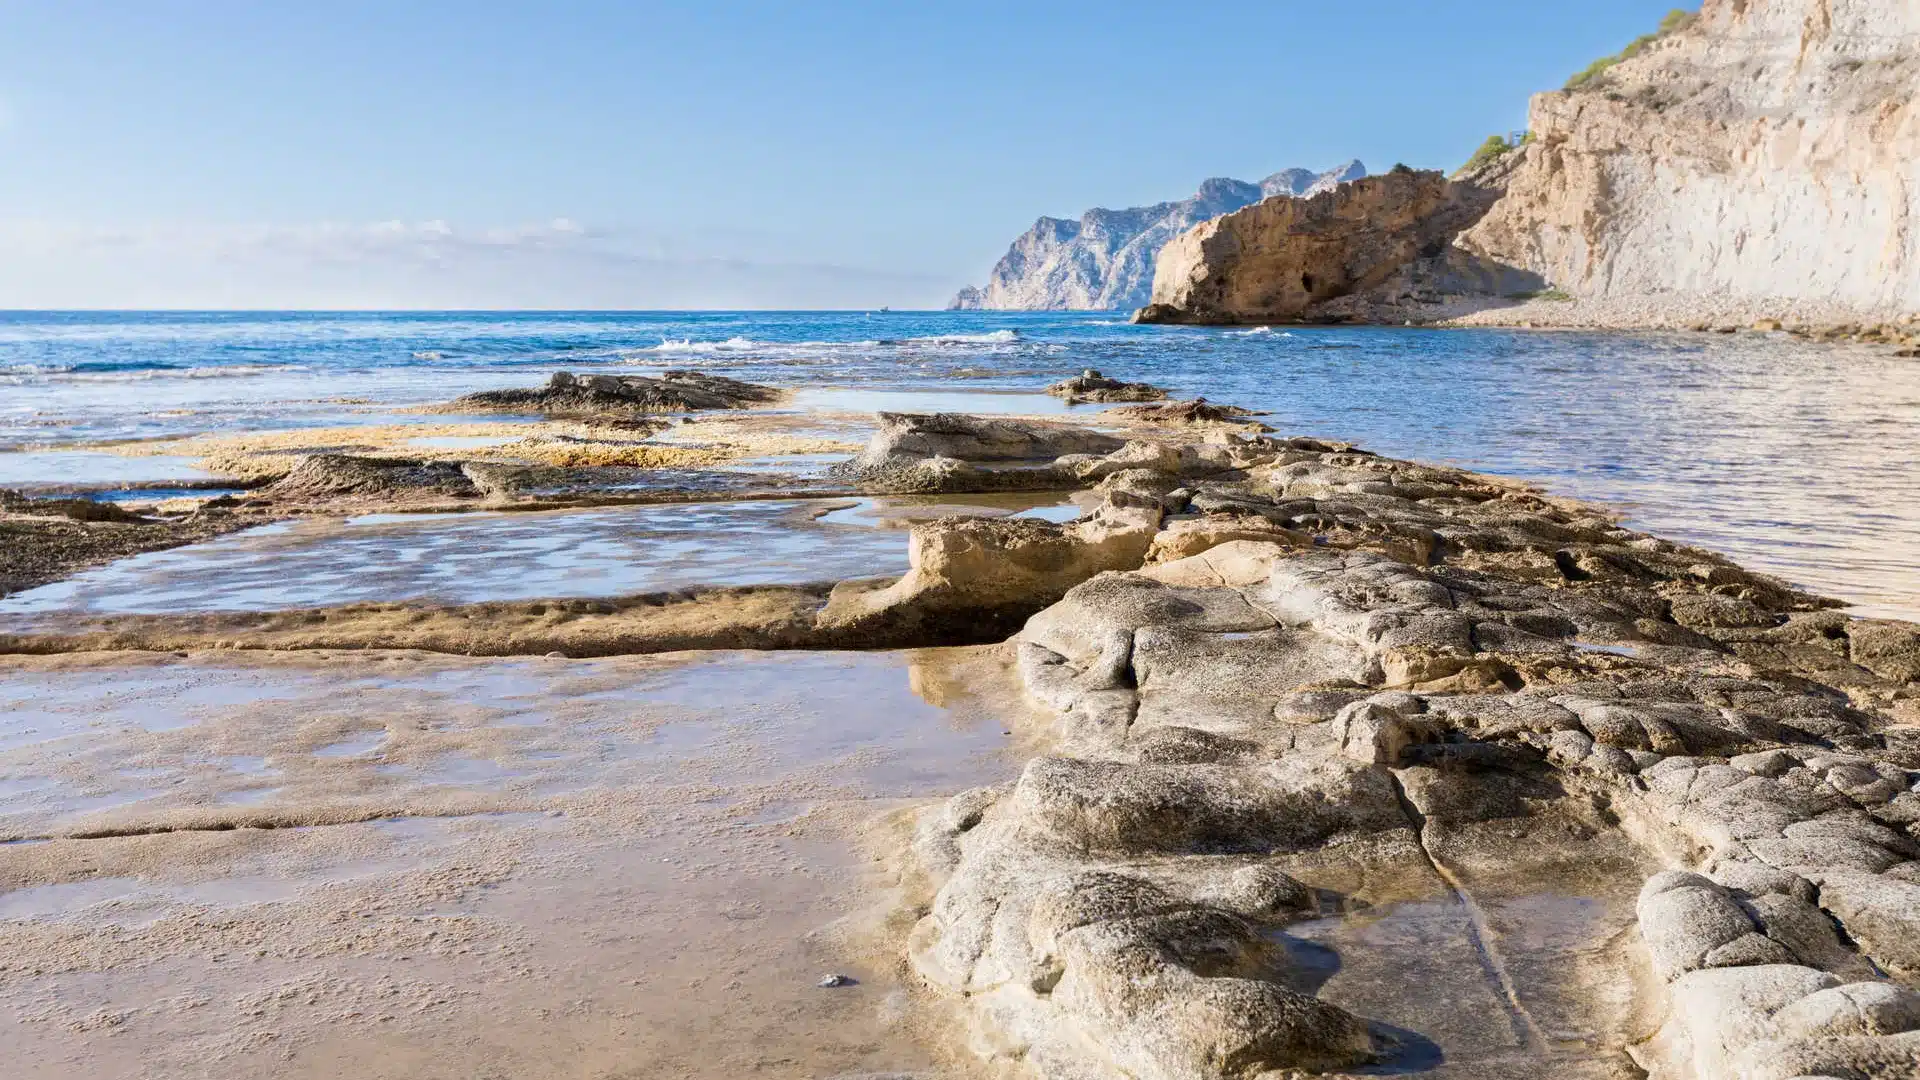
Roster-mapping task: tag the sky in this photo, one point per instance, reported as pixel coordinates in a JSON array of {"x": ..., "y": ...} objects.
[{"x": 212, "y": 154}]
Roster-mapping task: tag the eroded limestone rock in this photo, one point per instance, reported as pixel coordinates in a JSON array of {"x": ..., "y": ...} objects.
[
  {"x": 1091, "y": 386},
  {"x": 605, "y": 396},
  {"x": 945, "y": 452},
  {"x": 1334, "y": 657},
  {"x": 1283, "y": 260}
]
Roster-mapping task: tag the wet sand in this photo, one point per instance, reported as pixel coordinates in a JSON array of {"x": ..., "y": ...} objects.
[{"x": 535, "y": 868}]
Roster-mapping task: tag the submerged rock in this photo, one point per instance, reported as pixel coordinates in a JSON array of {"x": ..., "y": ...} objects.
[{"x": 599, "y": 396}]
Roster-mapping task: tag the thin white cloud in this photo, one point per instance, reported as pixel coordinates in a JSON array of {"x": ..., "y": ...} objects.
[{"x": 418, "y": 264}]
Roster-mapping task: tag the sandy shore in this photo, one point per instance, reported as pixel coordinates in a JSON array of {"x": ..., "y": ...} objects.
[{"x": 1696, "y": 313}]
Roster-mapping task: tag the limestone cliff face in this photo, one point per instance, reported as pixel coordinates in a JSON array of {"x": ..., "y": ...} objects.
[
  {"x": 1284, "y": 260},
  {"x": 1765, "y": 152},
  {"x": 1105, "y": 260}
]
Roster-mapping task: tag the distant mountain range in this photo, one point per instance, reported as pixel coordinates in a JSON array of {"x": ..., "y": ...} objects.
[{"x": 1105, "y": 260}]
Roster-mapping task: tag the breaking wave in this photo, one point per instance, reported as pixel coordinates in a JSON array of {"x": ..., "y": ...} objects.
[
  {"x": 110, "y": 373},
  {"x": 996, "y": 337}
]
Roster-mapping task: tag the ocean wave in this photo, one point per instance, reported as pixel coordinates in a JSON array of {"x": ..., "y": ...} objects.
[
  {"x": 1259, "y": 331},
  {"x": 996, "y": 337},
  {"x": 120, "y": 373},
  {"x": 688, "y": 345}
]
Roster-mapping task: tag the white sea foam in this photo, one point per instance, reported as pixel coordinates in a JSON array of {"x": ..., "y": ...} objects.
[
  {"x": 996, "y": 337},
  {"x": 234, "y": 371},
  {"x": 688, "y": 345}
]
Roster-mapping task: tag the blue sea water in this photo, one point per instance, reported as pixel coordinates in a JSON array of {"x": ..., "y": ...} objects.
[{"x": 1796, "y": 458}]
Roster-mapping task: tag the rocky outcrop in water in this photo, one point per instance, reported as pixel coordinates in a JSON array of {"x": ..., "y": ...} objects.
[
  {"x": 601, "y": 397},
  {"x": 1091, "y": 386},
  {"x": 1104, "y": 261},
  {"x": 1383, "y": 240},
  {"x": 1764, "y": 154}
]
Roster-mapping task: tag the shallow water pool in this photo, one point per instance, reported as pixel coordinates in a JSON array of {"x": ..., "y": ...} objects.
[{"x": 473, "y": 558}]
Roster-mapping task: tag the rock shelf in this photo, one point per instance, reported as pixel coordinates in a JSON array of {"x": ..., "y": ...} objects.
[
  {"x": 1285, "y": 674},
  {"x": 601, "y": 396}
]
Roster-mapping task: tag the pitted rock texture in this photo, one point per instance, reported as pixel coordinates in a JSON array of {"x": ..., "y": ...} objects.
[
  {"x": 328, "y": 476},
  {"x": 1092, "y": 386},
  {"x": 1337, "y": 661},
  {"x": 1287, "y": 260},
  {"x": 1105, "y": 260},
  {"x": 601, "y": 396},
  {"x": 1763, "y": 154},
  {"x": 945, "y": 452}
]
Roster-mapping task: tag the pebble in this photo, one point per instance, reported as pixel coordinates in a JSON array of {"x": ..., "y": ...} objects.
[{"x": 833, "y": 981}]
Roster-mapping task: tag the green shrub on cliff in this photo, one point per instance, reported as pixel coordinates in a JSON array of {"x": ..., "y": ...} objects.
[
  {"x": 1677, "y": 20},
  {"x": 1492, "y": 150}
]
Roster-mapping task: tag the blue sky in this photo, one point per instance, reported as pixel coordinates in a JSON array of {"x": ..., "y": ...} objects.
[{"x": 173, "y": 153}]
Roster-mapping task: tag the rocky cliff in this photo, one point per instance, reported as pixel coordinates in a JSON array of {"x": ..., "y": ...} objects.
[
  {"x": 1373, "y": 243},
  {"x": 1763, "y": 153},
  {"x": 1105, "y": 260}
]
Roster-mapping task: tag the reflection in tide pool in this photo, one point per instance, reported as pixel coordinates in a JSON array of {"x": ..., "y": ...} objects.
[{"x": 472, "y": 558}]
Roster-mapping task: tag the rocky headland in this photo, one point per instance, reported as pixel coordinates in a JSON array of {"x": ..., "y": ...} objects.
[
  {"x": 1348, "y": 254},
  {"x": 1105, "y": 260},
  {"x": 1745, "y": 167}
]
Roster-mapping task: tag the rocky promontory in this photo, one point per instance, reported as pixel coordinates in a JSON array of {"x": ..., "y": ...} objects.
[
  {"x": 1376, "y": 242},
  {"x": 1746, "y": 165},
  {"x": 1105, "y": 260}
]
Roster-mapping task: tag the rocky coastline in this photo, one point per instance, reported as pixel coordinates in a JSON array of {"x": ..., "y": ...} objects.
[
  {"x": 1744, "y": 166},
  {"x": 1284, "y": 680}
]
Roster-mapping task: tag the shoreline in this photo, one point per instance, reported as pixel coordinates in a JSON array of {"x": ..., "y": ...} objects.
[{"x": 1284, "y": 690}]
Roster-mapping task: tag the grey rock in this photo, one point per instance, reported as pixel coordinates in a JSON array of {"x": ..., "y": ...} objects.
[
  {"x": 1685, "y": 918},
  {"x": 1864, "y": 1008}
]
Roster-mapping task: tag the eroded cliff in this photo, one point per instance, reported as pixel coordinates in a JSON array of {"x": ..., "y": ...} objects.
[
  {"x": 1343, "y": 254},
  {"x": 1105, "y": 260},
  {"x": 1763, "y": 152}
]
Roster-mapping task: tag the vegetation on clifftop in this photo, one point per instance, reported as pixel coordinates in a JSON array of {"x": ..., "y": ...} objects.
[
  {"x": 1492, "y": 150},
  {"x": 1677, "y": 20}
]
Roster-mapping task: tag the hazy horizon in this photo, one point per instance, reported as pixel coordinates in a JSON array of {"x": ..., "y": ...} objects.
[{"x": 490, "y": 157}]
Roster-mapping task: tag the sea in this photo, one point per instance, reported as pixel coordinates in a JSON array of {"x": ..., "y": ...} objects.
[{"x": 1795, "y": 458}]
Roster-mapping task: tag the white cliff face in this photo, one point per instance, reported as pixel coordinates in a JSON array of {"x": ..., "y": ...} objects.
[
  {"x": 1105, "y": 260},
  {"x": 1767, "y": 152}
]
